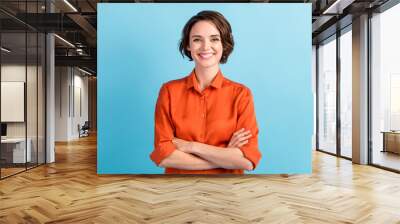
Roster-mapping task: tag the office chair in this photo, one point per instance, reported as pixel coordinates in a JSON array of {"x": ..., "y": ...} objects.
[{"x": 84, "y": 130}]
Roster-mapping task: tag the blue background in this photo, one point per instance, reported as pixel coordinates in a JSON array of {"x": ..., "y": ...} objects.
[{"x": 138, "y": 52}]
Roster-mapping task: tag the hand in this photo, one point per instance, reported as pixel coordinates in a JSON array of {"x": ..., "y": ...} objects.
[
  {"x": 239, "y": 138},
  {"x": 183, "y": 145}
]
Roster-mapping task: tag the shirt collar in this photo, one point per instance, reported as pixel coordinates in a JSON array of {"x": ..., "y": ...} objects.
[{"x": 216, "y": 83}]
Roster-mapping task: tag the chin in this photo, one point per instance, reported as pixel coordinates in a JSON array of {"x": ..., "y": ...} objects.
[{"x": 207, "y": 64}]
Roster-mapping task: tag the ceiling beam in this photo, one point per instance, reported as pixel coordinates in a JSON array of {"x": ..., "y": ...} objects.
[{"x": 84, "y": 61}]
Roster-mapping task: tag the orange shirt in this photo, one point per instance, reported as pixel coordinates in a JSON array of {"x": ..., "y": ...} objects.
[{"x": 209, "y": 117}]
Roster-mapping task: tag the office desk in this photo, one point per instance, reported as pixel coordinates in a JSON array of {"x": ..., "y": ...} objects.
[
  {"x": 15, "y": 148},
  {"x": 391, "y": 141}
]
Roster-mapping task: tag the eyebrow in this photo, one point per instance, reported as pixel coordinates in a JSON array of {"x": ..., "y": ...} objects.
[{"x": 215, "y": 35}]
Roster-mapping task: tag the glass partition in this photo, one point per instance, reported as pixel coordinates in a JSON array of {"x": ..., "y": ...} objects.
[
  {"x": 14, "y": 153},
  {"x": 22, "y": 88},
  {"x": 346, "y": 93},
  {"x": 385, "y": 90},
  {"x": 327, "y": 96}
]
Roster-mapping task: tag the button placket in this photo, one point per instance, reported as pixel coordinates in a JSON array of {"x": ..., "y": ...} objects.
[
  {"x": 204, "y": 115},
  {"x": 204, "y": 106}
]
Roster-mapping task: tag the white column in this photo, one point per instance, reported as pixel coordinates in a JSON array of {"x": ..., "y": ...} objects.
[
  {"x": 50, "y": 100},
  {"x": 360, "y": 90},
  {"x": 50, "y": 92}
]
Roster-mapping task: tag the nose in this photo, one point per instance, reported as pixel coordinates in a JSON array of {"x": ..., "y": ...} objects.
[{"x": 206, "y": 45}]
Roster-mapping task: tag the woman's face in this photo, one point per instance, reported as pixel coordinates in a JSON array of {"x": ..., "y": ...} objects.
[{"x": 205, "y": 44}]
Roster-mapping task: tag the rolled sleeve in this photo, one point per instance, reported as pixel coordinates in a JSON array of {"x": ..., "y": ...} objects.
[
  {"x": 247, "y": 120},
  {"x": 162, "y": 151},
  {"x": 163, "y": 128}
]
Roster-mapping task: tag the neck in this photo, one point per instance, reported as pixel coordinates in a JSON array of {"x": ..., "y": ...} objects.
[{"x": 205, "y": 75}]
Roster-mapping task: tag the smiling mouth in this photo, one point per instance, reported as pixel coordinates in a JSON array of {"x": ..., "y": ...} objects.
[{"x": 206, "y": 55}]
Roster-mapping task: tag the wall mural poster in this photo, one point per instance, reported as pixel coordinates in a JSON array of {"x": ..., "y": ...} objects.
[{"x": 204, "y": 89}]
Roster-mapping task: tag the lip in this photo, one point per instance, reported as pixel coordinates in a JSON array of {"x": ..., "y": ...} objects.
[{"x": 206, "y": 55}]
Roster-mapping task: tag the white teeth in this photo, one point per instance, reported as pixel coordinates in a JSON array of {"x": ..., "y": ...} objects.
[{"x": 205, "y": 55}]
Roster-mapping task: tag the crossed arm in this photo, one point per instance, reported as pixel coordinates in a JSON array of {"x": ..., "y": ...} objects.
[{"x": 200, "y": 156}]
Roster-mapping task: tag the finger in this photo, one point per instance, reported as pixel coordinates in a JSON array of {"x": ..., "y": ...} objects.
[
  {"x": 240, "y": 137},
  {"x": 233, "y": 142},
  {"x": 243, "y": 133},
  {"x": 236, "y": 135},
  {"x": 238, "y": 131},
  {"x": 239, "y": 134},
  {"x": 244, "y": 138},
  {"x": 242, "y": 129},
  {"x": 242, "y": 143}
]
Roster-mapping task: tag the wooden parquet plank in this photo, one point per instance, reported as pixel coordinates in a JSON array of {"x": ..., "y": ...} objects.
[{"x": 70, "y": 191}]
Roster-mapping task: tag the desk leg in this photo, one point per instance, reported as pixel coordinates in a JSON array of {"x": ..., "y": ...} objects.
[{"x": 384, "y": 142}]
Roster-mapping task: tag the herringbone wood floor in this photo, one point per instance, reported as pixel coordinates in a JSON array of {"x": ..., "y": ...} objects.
[{"x": 70, "y": 191}]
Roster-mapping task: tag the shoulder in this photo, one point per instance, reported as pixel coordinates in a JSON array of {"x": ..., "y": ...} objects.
[
  {"x": 176, "y": 83},
  {"x": 238, "y": 88},
  {"x": 173, "y": 84}
]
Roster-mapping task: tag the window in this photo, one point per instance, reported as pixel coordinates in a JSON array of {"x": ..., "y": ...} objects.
[
  {"x": 327, "y": 96},
  {"x": 385, "y": 88},
  {"x": 346, "y": 93}
]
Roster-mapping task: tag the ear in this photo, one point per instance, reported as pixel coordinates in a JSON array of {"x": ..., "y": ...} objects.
[{"x": 188, "y": 48}]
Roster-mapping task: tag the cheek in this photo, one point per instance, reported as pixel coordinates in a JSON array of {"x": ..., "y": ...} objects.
[
  {"x": 193, "y": 48},
  {"x": 193, "y": 53},
  {"x": 220, "y": 48}
]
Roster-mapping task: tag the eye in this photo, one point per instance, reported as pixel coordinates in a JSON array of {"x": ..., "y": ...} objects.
[
  {"x": 215, "y": 39},
  {"x": 196, "y": 40}
]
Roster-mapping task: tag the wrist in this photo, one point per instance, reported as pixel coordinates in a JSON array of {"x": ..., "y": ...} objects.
[{"x": 194, "y": 146}]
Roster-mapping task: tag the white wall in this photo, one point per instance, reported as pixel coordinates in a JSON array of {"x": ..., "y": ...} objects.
[
  {"x": 314, "y": 91},
  {"x": 12, "y": 73},
  {"x": 62, "y": 82},
  {"x": 80, "y": 105},
  {"x": 71, "y": 87}
]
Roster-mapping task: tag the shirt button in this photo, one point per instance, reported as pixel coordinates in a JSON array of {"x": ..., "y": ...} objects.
[{"x": 203, "y": 115}]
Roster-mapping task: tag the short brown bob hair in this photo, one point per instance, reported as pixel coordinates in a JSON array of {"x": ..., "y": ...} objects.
[{"x": 223, "y": 27}]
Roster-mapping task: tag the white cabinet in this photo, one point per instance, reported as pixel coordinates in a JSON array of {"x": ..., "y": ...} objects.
[
  {"x": 18, "y": 149},
  {"x": 12, "y": 101}
]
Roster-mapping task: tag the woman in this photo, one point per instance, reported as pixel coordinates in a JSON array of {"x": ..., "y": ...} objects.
[{"x": 205, "y": 123}]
